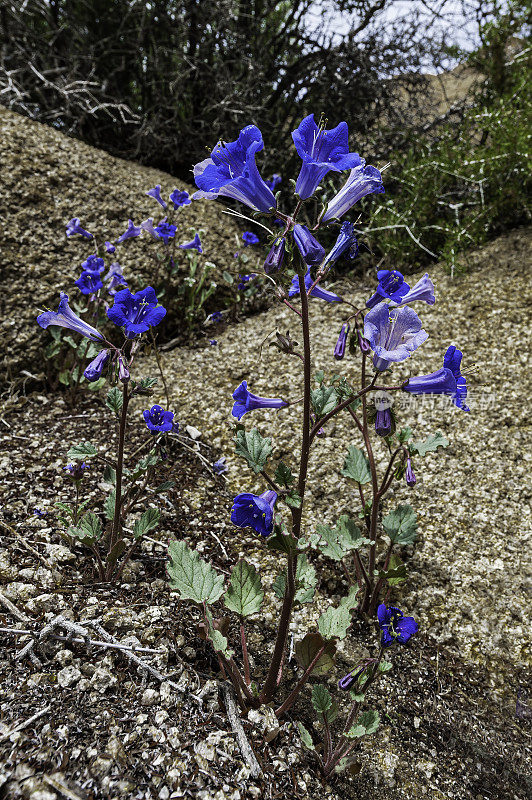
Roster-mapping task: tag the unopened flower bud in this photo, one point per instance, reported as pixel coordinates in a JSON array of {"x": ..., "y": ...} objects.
[
  {"x": 339, "y": 350},
  {"x": 274, "y": 259},
  {"x": 383, "y": 422},
  {"x": 123, "y": 371},
  {"x": 409, "y": 474},
  {"x": 93, "y": 371},
  {"x": 363, "y": 343}
]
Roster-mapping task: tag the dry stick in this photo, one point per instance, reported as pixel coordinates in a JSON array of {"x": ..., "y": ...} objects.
[
  {"x": 24, "y": 724},
  {"x": 84, "y": 640},
  {"x": 21, "y": 618},
  {"x": 25, "y": 544},
  {"x": 61, "y": 788},
  {"x": 245, "y": 748}
]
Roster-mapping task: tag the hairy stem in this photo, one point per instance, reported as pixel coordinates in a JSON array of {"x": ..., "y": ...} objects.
[
  {"x": 119, "y": 467},
  {"x": 271, "y": 682},
  {"x": 292, "y": 697}
]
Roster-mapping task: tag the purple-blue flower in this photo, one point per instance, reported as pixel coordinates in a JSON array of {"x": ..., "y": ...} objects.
[
  {"x": 165, "y": 231},
  {"x": 244, "y": 279},
  {"x": 311, "y": 250},
  {"x": 136, "y": 313},
  {"x": 110, "y": 248},
  {"x": 409, "y": 473},
  {"x": 194, "y": 244},
  {"x": 93, "y": 372},
  {"x": 273, "y": 182},
  {"x": 362, "y": 180},
  {"x": 339, "y": 350},
  {"x": 180, "y": 198},
  {"x": 254, "y": 511},
  {"x": 346, "y": 241},
  {"x": 231, "y": 172},
  {"x": 131, "y": 232},
  {"x": 123, "y": 370},
  {"x": 318, "y": 291},
  {"x": 147, "y": 226},
  {"x": 216, "y": 316},
  {"x": 246, "y": 401},
  {"x": 274, "y": 259},
  {"x": 383, "y": 422},
  {"x": 395, "y": 626},
  {"x": 76, "y": 470},
  {"x": 249, "y": 238},
  {"x": 213, "y": 342},
  {"x": 64, "y": 317},
  {"x": 321, "y": 151},
  {"x": 156, "y": 194},
  {"x": 423, "y": 290},
  {"x": 39, "y": 513},
  {"x": 73, "y": 228},
  {"x": 158, "y": 420},
  {"x": 393, "y": 333},
  {"x": 115, "y": 277},
  {"x": 89, "y": 282},
  {"x": 447, "y": 380},
  {"x": 94, "y": 263},
  {"x": 219, "y": 466},
  {"x": 391, "y": 286}
]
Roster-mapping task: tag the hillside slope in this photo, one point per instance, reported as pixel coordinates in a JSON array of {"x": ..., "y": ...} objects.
[{"x": 46, "y": 179}]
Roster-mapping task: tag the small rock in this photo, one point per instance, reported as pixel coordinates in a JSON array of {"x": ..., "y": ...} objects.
[
  {"x": 20, "y": 591},
  {"x": 59, "y": 554},
  {"x": 64, "y": 657},
  {"x": 194, "y": 433},
  {"x": 102, "y": 679},
  {"x": 149, "y": 697},
  {"x": 68, "y": 676}
]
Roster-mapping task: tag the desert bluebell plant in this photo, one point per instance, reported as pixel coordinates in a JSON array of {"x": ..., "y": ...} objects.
[
  {"x": 375, "y": 337},
  {"x": 104, "y": 533}
]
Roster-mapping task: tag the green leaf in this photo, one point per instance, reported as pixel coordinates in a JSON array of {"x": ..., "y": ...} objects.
[
  {"x": 116, "y": 552},
  {"x": 323, "y": 400},
  {"x": 244, "y": 595},
  {"x": 109, "y": 474},
  {"x": 305, "y": 581},
  {"x": 334, "y": 622},
  {"x": 308, "y": 648},
  {"x": 145, "y": 386},
  {"x": 95, "y": 385},
  {"x": 143, "y": 465},
  {"x": 91, "y": 524},
  {"x": 163, "y": 487},
  {"x": 282, "y": 542},
  {"x": 321, "y": 698},
  {"x": 292, "y": 499},
  {"x": 356, "y": 466},
  {"x": 114, "y": 400},
  {"x": 283, "y": 475},
  {"x": 253, "y": 447},
  {"x": 319, "y": 376},
  {"x": 332, "y": 713},
  {"x": 430, "y": 444},
  {"x": 109, "y": 505},
  {"x": 192, "y": 577},
  {"x": 404, "y": 435},
  {"x": 401, "y": 525},
  {"x": 336, "y": 543},
  {"x": 148, "y": 521},
  {"x": 228, "y": 278},
  {"x": 395, "y": 575},
  {"x": 306, "y": 738},
  {"x": 367, "y": 723},
  {"x": 80, "y": 451},
  {"x": 385, "y": 666},
  {"x": 217, "y": 639},
  {"x": 63, "y": 507}
]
